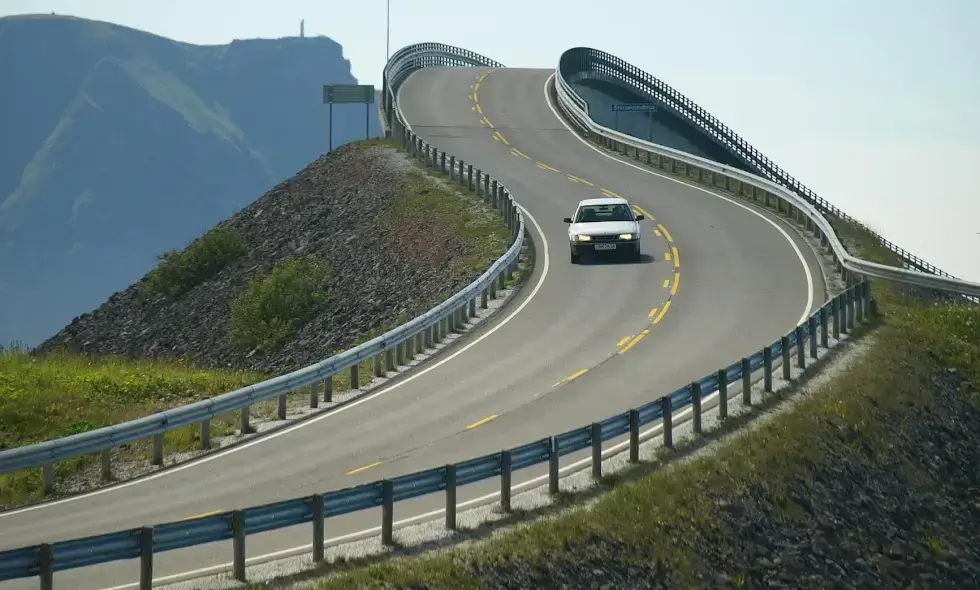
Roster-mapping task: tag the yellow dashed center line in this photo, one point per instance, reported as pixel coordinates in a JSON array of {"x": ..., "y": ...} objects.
[
  {"x": 657, "y": 232},
  {"x": 517, "y": 152},
  {"x": 575, "y": 375},
  {"x": 546, "y": 167},
  {"x": 203, "y": 515},
  {"x": 663, "y": 311},
  {"x": 623, "y": 341},
  {"x": 666, "y": 283},
  {"x": 666, "y": 255},
  {"x": 677, "y": 260},
  {"x": 482, "y": 422},
  {"x": 574, "y": 178},
  {"x": 677, "y": 280},
  {"x": 609, "y": 193},
  {"x": 366, "y": 467},
  {"x": 665, "y": 232},
  {"x": 653, "y": 311},
  {"x": 640, "y": 209},
  {"x": 470, "y": 96},
  {"x": 479, "y": 109},
  {"x": 499, "y": 137},
  {"x": 633, "y": 342}
]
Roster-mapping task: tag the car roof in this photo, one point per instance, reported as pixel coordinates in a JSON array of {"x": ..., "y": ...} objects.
[{"x": 603, "y": 201}]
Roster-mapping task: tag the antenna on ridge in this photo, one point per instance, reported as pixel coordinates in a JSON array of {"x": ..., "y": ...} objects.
[{"x": 302, "y": 28}]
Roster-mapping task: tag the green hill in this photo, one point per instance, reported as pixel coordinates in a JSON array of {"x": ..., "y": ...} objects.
[{"x": 119, "y": 144}]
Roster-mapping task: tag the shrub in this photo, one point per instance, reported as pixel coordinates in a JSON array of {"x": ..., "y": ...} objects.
[
  {"x": 277, "y": 304},
  {"x": 179, "y": 272}
]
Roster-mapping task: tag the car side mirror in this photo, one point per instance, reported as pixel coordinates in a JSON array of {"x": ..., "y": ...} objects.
[
  {"x": 640, "y": 217},
  {"x": 567, "y": 220}
]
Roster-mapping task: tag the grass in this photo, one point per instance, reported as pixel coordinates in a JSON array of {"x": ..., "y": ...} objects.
[
  {"x": 59, "y": 394},
  {"x": 179, "y": 272},
  {"x": 56, "y": 395},
  {"x": 277, "y": 304},
  {"x": 912, "y": 340}
]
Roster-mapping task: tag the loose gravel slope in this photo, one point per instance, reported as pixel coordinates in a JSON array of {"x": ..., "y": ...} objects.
[{"x": 396, "y": 243}]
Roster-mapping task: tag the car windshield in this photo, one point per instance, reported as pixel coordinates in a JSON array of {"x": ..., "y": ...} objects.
[{"x": 598, "y": 213}]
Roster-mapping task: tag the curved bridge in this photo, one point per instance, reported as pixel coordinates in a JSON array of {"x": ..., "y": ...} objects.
[{"x": 727, "y": 289}]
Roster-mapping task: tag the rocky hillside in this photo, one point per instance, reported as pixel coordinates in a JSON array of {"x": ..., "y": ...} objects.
[
  {"x": 382, "y": 243},
  {"x": 118, "y": 144}
]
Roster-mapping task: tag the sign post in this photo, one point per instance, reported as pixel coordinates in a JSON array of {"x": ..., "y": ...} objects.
[
  {"x": 348, "y": 94},
  {"x": 634, "y": 108}
]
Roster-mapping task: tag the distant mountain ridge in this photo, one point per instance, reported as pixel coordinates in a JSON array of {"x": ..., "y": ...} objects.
[{"x": 119, "y": 144}]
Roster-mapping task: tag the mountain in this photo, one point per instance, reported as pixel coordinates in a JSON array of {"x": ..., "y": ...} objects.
[{"x": 116, "y": 145}]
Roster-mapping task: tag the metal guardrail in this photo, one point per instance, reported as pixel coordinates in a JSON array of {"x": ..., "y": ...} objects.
[
  {"x": 391, "y": 349},
  {"x": 775, "y": 185},
  {"x": 821, "y": 330},
  {"x": 837, "y": 316}
]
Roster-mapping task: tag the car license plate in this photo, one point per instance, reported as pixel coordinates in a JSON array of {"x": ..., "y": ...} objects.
[{"x": 605, "y": 246}]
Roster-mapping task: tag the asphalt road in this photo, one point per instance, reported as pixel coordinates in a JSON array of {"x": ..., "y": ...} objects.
[{"x": 741, "y": 285}]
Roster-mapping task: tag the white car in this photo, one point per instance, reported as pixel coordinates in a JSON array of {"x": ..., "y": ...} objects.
[{"x": 604, "y": 225}]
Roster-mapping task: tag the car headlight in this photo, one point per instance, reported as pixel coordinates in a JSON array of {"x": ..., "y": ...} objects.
[
  {"x": 578, "y": 238},
  {"x": 625, "y": 236}
]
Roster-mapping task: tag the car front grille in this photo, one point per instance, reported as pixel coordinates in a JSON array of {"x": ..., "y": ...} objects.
[{"x": 610, "y": 238}]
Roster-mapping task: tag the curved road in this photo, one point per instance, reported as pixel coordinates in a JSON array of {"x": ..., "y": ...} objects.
[{"x": 579, "y": 343}]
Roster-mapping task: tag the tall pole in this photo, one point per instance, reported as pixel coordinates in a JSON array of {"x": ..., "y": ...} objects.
[{"x": 387, "y": 30}]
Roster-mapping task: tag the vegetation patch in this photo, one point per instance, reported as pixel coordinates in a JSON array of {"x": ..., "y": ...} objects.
[
  {"x": 58, "y": 394},
  {"x": 277, "y": 304},
  {"x": 674, "y": 524},
  {"x": 179, "y": 272}
]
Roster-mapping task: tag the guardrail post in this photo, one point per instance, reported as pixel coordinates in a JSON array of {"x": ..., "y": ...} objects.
[
  {"x": 483, "y": 298},
  {"x": 452, "y": 167},
  {"x": 410, "y": 349},
  {"x": 146, "y": 558},
  {"x": 238, "y": 544},
  {"x": 389, "y": 360},
  {"x": 328, "y": 389},
  {"x": 451, "y": 497},
  {"x": 844, "y": 324},
  {"x": 746, "y": 382},
  {"x": 473, "y": 307},
  {"x": 462, "y": 174},
  {"x": 767, "y": 369},
  {"x": 596, "y": 437},
  {"x": 205, "y": 434},
  {"x": 106, "y": 456},
  {"x": 505, "y": 478},
  {"x": 835, "y": 310},
  {"x": 859, "y": 303},
  {"x": 387, "y": 512},
  {"x": 244, "y": 424},
  {"x": 722, "y": 394},
  {"x": 477, "y": 184},
  {"x": 553, "y": 466},
  {"x": 784, "y": 348},
  {"x": 493, "y": 288},
  {"x": 696, "y": 406},
  {"x": 502, "y": 280},
  {"x": 811, "y": 325},
  {"x": 429, "y": 337},
  {"x": 851, "y": 293},
  {"x": 634, "y": 436},
  {"x": 45, "y": 571},
  {"x": 436, "y": 332},
  {"x": 442, "y": 162},
  {"x": 158, "y": 445},
  {"x": 400, "y": 354},
  {"x": 354, "y": 377},
  {"x": 314, "y": 398},
  {"x": 420, "y": 342},
  {"x": 281, "y": 407},
  {"x": 494, "y": 193},
  {"x": 824, "y": 341},
  {"x": 486, "y": 188},
  {"x": 379, "y": 367},
  {"x": 316, "y": 506},
  {"x": 800, "y": 347},
  {"x": 668, "y": 424}
]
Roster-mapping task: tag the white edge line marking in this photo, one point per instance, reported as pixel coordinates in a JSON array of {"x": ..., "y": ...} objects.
[
  {"x": 615, "y": 449},
  {"x": 645, "y": 436},
  {"x": 411, "y": 377},
  {"x": 799, "y": 254}
]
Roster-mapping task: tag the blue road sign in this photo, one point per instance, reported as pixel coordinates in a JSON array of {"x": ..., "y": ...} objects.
[{"x": 640, "y": 106}]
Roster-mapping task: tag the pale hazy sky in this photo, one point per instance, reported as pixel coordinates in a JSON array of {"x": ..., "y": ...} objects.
[{"x": 873, "y": 104}]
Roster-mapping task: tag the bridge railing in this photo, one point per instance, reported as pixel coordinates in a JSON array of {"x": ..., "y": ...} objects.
[{"x": 771, "y": 185}]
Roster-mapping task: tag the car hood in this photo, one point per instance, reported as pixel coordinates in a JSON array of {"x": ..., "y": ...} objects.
[{"x": 604, "y": 228}]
